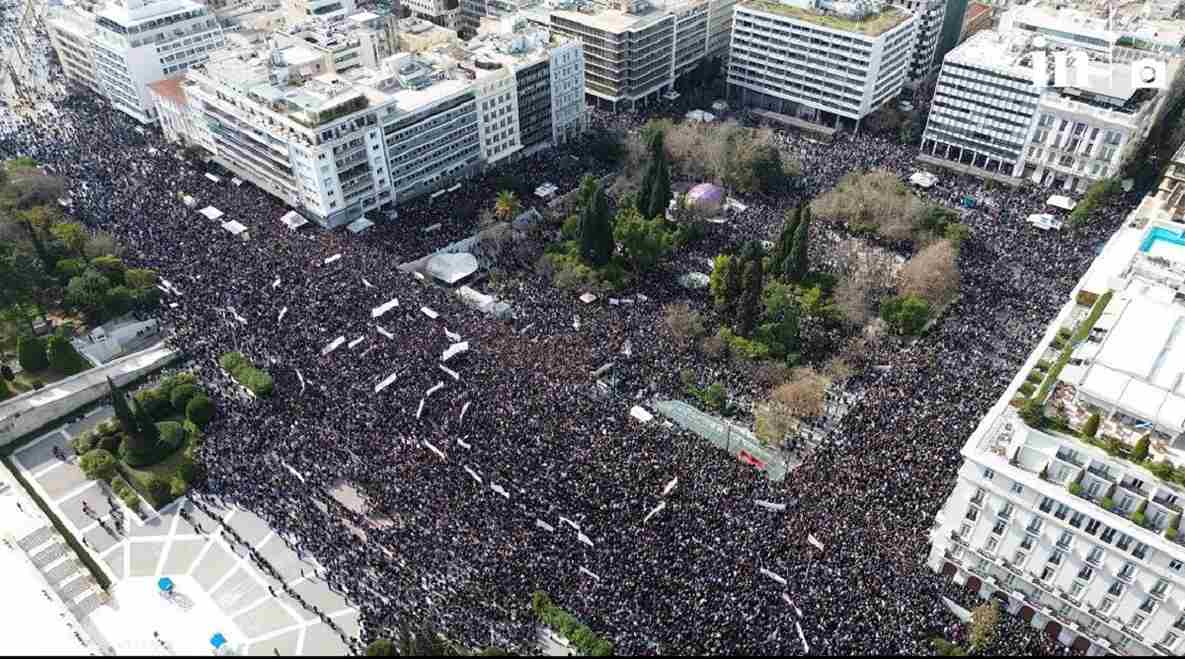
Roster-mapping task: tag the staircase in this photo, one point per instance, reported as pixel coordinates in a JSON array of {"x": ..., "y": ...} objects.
[{"x": 61, "y": 569}]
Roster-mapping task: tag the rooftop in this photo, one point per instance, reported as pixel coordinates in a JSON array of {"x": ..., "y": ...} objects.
[
  {"x": 872, "y": 25},
  {"x": 169, "y": 88}
]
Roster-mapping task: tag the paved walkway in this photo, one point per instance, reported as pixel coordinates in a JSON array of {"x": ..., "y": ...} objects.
[{"x": 220, "y": 589}]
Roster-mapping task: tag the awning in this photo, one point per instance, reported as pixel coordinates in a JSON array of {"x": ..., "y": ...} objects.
[
  {"x": 359, "y": 225},
  {"x": 451, "y": 268},
  {"x": 293, "y": 220},
  {"x": 1061, "y": 201},
  {"x": 211, "y": 213}
]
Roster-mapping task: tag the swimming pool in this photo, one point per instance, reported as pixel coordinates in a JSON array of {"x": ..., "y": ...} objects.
[{"x": 1160, "y": 234}]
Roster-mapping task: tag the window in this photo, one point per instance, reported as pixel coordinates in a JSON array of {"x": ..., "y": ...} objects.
[
  {"x": 1019, "y": 558},
  {"x": 1127, "y": 571},
  {"x": 1141, "y": 551},
  {"x": 1161, "y": 586},
  {"x": 998, "y": 529},
  {"x": 1092, "y": 526},
  {"x": 972, "y": 514},
  {"x": 1062, "y": 511},
  {"x": 1095, "y": 556},
  {"x": 1006, "y": 511},
  {"x": 1170, "y": 639},
  {"x": 991, "y": 544},
  {"x": 988, "y": 474},
  {"x": 1076, "y": 589},
  {"x": 1055, "y": 558},
  {"x": 1116, "y": 589},
  {"x": 1046, "y": 574},
  {"x": 1125, "y": 541},
  {"x": 1108, "y": 535},
  {"x": 1106, "y": 604},
  {"x": 1175, "y": 566},
  {"x": 1137, "y": 621},
  {"x": 1063, "y": 542},
  {"x": 1035, "y": 525},
  {"x": 1085, "y": 573}
]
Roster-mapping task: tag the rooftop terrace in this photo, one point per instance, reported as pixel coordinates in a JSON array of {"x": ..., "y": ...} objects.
[{"x": 872, "y": 25}]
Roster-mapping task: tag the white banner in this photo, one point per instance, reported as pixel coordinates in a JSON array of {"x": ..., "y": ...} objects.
[
  {"x": 545, "y": 526},
  {"x": 801, "y": 637},
  {"x": 437, "y": 387},
  {"x": 585, "y": 539},
  {"x": 474, "y": 475},
  {"x": 450, "y": 372},
  {"x": 276, "y": 283},
  {"x": 652, "y": 513},
  {"x": 421, "y": 408},
  {"x": 386, "y": 382},
  {"x": 378, "y": 311},
  {"x": 565, "y": 520},
  {"x": 282, "y": 313},
  {"x": 430, "y": 313},
  {"x": 464, "y": 445},
  {"x": 454, "y": 350},
  {"x": 670, "y": 486},
  {"x": 773, "y": 575},
  {"x": 594, "y": 576},
  {"x": 355, "y": 342},
  {"x": 301, "y": 378},
  {"x": 435, "y": 450},
  {"x": 384, "y": 332},
  {"x": 790, "y": 602},
  {"x": 768, "y": 505},
  {"x": 333, "y": 345},
  {"x": 814, "y": 541},
  {"x": 500, "y": 490},
  {"x": 331, "y": 259},
  {"x": 452, "y": 336},
  {"x": 464, "y": 409},
  {"x": 366, "y": 283}
]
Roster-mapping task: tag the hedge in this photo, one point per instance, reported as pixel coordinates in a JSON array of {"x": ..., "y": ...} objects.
[
  {"x": 1079, "y": 334},
  {"x": 182, "y": 394},
  {"x": 30, "y": 352},
  {"x": 582, "y": 638},
  {"x": 63, "y": 357},
  {"x": 241, "y": 369},
  {"x": 199, "y": 410}
]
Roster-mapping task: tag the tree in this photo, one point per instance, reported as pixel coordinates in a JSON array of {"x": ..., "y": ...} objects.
[
  {"x": 750, "y": 302},
  {"x": 507, "y": 206},
  {"x": 199, "y": 410},
  {"x": 804, "y": 395},
  {"x": 62, "y": 356},
  {"x": 682, "y": 323},
  {"x": 137, "y": 278},
  {"x": 797, "y": 260},
  {"x": 932, "y": 274},
  {"x": 785, "y": 241},
  {"x": 111, "y": 267},
  {"x": 1032, "y": 412},
  {"x": 98, "y": 464},
  {"x": 660, "y": 193},
  {"x": 1140, "y": 452},
  {"x": 984, "y": 619},
  {"x": 88, "y": 293},
  {"x": 422, "y": 643},
  {"x": 596, "y": 235},
  {"x": 30, "y": 352},
  {"x": 718, "y": 280},
  {"x": 1091, "y": 427},
  {"x": 643, "y": 242},
  {"x": 123, "y": 412},
  {"x": 769, "y": 174},
  {"x": 906, "y": 314},
  {"x": 72, "y": 235}
]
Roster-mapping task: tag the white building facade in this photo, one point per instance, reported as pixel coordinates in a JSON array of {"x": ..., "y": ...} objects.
[
  {"x": 788, "y": 56},
  {"x": 1073, "y": 539},
  {"x": 930, "y": 15},
  {"x": 127, "y": 44}
]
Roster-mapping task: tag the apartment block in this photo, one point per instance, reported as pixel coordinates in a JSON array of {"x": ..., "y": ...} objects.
[
  {"x": 336, "y": 144},
  {"x": 1171, "y": 195},
  {"x": 804, "y": 58},
  {"x": 117, "y": 50},
  {"x": 445, "y": 13},
  {"x": 1078, "y": 533},
  {"x": 989, "y": 114}
]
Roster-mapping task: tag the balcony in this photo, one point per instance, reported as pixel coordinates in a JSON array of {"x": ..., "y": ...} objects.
[
  {"x": 978, "y": 498},
  {"x": 1101, "y": 472},
  {"x": 1134, "y": 489},
  {"x": 1164, "y": 501}
]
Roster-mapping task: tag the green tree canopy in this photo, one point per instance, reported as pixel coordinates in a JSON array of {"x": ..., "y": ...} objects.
[{"x": 643, "y": 242}]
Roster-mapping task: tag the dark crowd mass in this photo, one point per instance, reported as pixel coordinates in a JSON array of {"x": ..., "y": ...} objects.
[{"x": 436, "y": 546}]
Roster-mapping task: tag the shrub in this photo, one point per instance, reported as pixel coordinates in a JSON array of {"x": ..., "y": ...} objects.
[
  {"x": 905, "y": 314},
  {"x": 98, "y": 464},
  {"x": 157, "y": 488},
  {"x": 172, "y": 435},
  {"x": 257, "y": 380},
  {"x": 177, "y": 487},
  {"x": 233, "y": 361},
  {"x": 1170, "y": 533},
  {"x": 181, "y": 395},
  {"x": 199, "y": 411},
  {"x": 586, "y": 642},
  {"x": 1033, "y": 413},
  {"x": 69, "y": 268},
  {"x": 131, "y": 499},
  {"x": 154, "y": 403},
  {"x": 1107, "y": 503},
  {"x": 5, "y": 392},
  {"x": 739, "y": 346},
  {"x": 1076, "y": 489},
  {"x": 188, "y": 470},
  {"x": 62, "y": 356},
  {"x": 31, "y": 353},
  {"x": 1043, "y": 365},
  {"x": 1091, "y": 427},
  {"x": 1027, "y": 388},
  {"x": 83, "y": 443},
  {"x": 110, "y": 442},
  {"x": 1035, "y": 376},
  {"x": 1140, "y": 452},
  {"x": 167, "y": 385}
]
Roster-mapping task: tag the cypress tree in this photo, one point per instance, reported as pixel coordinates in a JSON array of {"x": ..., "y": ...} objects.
[
  {"x": 733, "y": 283},
  {"x": 660, "y": 193},
  {"x": 642, "y": 203},
  {"x": 587, "y": 228},
  {"x": 750, "y": 302},
  {"x": 122, "y": 412},
  {"x": 602, "y": 229},
  {"x": 797, "y": 261},
  {"x": 785, "y": 242},
  {"x": 39, "y": 249}
]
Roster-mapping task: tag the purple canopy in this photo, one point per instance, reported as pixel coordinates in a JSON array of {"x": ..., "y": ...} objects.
[{"x": 706, "y": 196}]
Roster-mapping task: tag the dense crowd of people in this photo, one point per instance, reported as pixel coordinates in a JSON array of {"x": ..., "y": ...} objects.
[{"x": 511, "y": 477}]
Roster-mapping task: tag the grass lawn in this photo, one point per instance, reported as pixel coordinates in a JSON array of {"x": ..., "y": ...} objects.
[
  {"x": 24, "y": 380},
  {"x": 165, "y": 469}
]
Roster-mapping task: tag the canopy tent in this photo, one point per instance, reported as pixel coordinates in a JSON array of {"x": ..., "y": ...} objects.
[
  {"x": 700, "y": 115},
  {"x": 165, "y": 584},
  {"x": 451, "y": 268},
  {"x": 236, "y": 229},
  {"x": 293, "y": 220},
  {"x": 705, "y": 197},
  {"x": 359, "y": 225},
  {"x": 218, "y": 640},
  {"x": 923, "y": 179},
  {"x": 1061, "y": 201},
  {"x": 546, "y": 190},
  {"x": 211, "y": 213}
]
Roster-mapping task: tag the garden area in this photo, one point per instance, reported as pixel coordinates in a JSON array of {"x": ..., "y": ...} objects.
[
  {"x": 149, "y": 448},
  {"x": 255, "y": 380},
  {"x": 54, "y": 272}
]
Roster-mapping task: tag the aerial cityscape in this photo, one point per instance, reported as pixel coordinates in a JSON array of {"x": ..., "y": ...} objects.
[{"x": 592, "y": 327}]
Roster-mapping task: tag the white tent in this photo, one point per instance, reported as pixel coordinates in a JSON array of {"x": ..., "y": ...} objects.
[
  {"x": 1061, "y": 201},
  {"x": 1044, "y": 221},
  {"x": 211, "y": 213},
  {"x": 188, "y": 201},
  {"x": 640, "y": 413},
  {"x": 719, "y": 106},
  {"x": 359, "y": 225},
  {"x": 923, "y": 179},
  {"x": 236, "y": 229},
  {"x": 293, "y": 220},
  {"x": 700, "y": 115},
  {"x": 546, "y": 190},
  {"x": 451, "y": 268}
]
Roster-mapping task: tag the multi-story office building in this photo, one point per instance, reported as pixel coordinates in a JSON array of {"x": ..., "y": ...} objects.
[
  {"x": 417, "y": 34},
  {"x": 336, "y": 144},
  {"x": 988, "y": 113},
  {"x": 803, "y": 58},
  {"x": 172, "y": 109},
  {"x": 1078, "y": 536},
  {"x": 361, "y": 39},
  {"x": 119, "y": 49},
  {"x": 636, "y": 49},
  {"x": 301, "y": 9},
  {"x": 930, "y": 16},
  {"x": 977, "y": 19}
]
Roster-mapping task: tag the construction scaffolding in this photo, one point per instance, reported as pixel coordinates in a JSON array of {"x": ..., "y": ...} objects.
[{"x": 726, "y": 436}]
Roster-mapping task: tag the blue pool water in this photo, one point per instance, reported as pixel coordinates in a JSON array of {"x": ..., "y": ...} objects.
[{"x": 1162, "y": 234}]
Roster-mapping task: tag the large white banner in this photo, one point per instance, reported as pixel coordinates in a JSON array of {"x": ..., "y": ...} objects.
[
  {"x": 378, "y": 311},
  {"x": 333, "y": 345},
  {"x": 652, "y": 513},
  {"x": 773, "y": 575}
]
